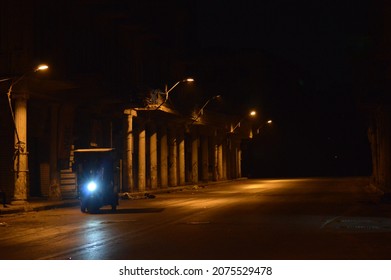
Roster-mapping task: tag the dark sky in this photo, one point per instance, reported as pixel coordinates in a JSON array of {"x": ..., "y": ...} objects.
[
  {"x": 282, "y": 24},
  {"x": 317, "y": 34},
  {"x": 307, "y": 82},
  {"x": 294, "y": 61},
  {"x": 310, "y": 43}
]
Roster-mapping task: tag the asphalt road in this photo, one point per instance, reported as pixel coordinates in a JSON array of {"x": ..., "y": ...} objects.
[{"x": 303, "y": 219}]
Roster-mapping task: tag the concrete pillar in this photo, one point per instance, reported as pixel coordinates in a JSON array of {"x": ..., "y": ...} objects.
[
  {"x": 181, "y": 157},
  {"x": 153, "y": 158},
  {"x": 235, "y": 162},
  {"x": 172, "y": 157},
  {"x": 239, "y": 162},
  {"x": 21, "y": 159},
  {"x": 215, "y": 161},
  {"x": 382, "y": 150},
  {"x": 233, "y": 159},
  {"x": 142, "y": 164},
  {"x": 220, "y": 162},
  {"x": 194, "y": 158},
  {"x": 228, "y": 158},
  {"x": 205, "y": 158},
  {"x": 130, "y": 149},
  {"x": 54, "y": 187},
  {"x": 163, "y": 157},
  {"x": 225, "y": 162}
]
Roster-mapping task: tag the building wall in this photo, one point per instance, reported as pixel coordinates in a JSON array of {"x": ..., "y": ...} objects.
[
  {"x": 109, "y": 64},
  {"x": 374, "y": 86},
  {"x": 379, "y": 134},
  {"x": 6, "y": 148}
]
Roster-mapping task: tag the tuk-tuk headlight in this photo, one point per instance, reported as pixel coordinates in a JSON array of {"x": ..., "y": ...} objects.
[{"x": 91, "y": 186}]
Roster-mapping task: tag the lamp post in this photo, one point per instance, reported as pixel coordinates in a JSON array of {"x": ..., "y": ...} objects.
[
  {"x": 201, "y": 111},
  {"x": 19, "y": 119},
  {"x": 38, "y": 68},
  {"x": 268, "y": 122},
  {"x": 166, "y": 92},
  {"x": 251, "y": 114}
]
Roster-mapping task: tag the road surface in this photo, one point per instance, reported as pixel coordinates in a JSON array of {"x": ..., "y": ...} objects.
[{"x": 273, "y": 219}]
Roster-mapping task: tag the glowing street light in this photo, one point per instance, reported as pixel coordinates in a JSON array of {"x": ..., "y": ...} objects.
[
  {"x": 251, "y": 114},
  {"x": 41, "y": 67},
  {"x": 189, "y": 80},
  {"x": 177, "y": 83},
  {"x": 268, "y": 122},
  {"x": 201, "y": 111}
]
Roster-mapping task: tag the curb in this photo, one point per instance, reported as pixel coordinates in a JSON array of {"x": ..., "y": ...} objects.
[
  {"x": 48, "y": 204},
  {"x": 40, "y": 206}
]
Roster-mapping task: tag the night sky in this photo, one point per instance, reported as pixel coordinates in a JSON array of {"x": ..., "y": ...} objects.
[
  {"x": 305, "y": 81},
  {"x": 296, "y": 62}
]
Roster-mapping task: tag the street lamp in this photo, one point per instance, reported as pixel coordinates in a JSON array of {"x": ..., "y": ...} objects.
[
  {"x": 201, "y": 111},
  {"x": 168, "y": 91},
  {"x": 251, "y": 114},
  {"x": 41, "y": 67},
  {"x": 268, "y": 122},
  {"x": 20, "y": 126}
]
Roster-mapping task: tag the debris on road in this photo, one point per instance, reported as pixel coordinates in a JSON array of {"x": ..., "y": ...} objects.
[{"x": 128, "y": 196}]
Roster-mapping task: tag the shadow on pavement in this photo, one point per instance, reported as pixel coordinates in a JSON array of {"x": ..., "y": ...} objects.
[{"x": 130, "y": 211}]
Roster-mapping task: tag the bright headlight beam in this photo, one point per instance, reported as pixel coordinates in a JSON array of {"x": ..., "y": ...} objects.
[{"x": 91, "y": 186}]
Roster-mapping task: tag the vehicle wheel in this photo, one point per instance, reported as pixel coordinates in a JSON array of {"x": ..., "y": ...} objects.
[
  {"x": 83, "y": 207},
  {"x": 114, "y": 203}
]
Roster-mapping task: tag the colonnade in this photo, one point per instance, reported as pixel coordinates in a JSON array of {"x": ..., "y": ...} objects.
[{"x": 162, "y": 151}]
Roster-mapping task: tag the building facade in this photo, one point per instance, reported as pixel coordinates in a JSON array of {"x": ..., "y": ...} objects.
[
  {"x": 103, "y": 64},
  {"x": 165, "y": 149}
]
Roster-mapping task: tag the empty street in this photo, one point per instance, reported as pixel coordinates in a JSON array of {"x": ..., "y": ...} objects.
[{"x": 271, "y": 219}]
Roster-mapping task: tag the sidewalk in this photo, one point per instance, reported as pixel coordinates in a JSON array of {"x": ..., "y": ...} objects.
[
  {"x": 40, "y": 204},
  {"x": 37, "y": 204}
]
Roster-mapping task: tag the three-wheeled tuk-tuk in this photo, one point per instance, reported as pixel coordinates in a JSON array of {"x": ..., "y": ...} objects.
[{"x": 95, "y": 169}]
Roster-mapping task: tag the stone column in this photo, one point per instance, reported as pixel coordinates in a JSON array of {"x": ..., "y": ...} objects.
[
  {"x": 205, "y": 158},
  {"x": 54, "y": 187},
  {"x": 194, "y": 158},
  {"x": 142, "y": 164},
  {"x": 153, "y": 157},
  {"x": 163, "y": 157},
  {"x": 228, "y": 158},
  {"x": 181, "y": 157},
  {"x": 225, "y": 162},
  {"x": 21, "y": 157},
  {"x": 239, "y": 162},
  {"x": 232, "y": 161},
  {"x": 235, "y": 162},
  {"x": 215, "y": 161},
  {"x": 381, "y": 149},
  {"x": 172, "y": 157},
  {"x": 220, "y": 162},
  {"x": 130, "y": 149}
]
